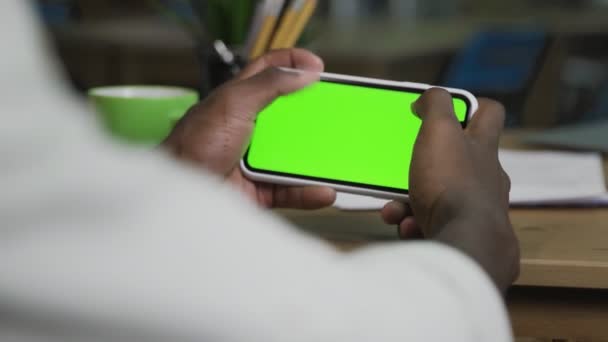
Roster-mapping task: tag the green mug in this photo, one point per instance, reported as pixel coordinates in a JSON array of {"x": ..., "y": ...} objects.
[{"x": 142, "y": 115}]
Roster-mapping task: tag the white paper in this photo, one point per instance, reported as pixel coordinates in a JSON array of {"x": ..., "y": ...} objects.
[
  {"x": 537, "y": 177},
  {"x": 346, "y": 201},
  {"x": 586, "y": 202}
]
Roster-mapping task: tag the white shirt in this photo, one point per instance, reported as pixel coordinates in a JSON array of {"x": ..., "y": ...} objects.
[{"x": 103, "y": 243}]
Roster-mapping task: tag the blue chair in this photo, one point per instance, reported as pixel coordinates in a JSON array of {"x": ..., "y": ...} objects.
[
  {"x": 599, "y": 111},
  {"x": 499, "y": 64}
]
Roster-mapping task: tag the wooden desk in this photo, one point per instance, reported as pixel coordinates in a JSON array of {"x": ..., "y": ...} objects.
[
  {"x": 563, "y": 288},
  {"x": 562, "y": 292}
]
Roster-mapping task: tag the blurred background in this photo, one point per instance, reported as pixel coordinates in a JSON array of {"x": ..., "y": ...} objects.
[{"x": 547, "y": 60}]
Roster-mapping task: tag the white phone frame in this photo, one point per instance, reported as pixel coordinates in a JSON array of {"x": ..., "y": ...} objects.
[{"x": 295, "y": 181}]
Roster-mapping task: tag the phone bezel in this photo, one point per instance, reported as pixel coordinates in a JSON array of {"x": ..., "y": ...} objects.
[{"x": 346, "y": 186}]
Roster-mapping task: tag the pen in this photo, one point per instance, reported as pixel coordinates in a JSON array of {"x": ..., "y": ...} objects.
[
  {"x": 293, "y": 23},
  {"x": 272, "y": 9},
  {"x": 299, "y": 24},
  {"x": 227, "y": 57},
  {"x": 255, "y": 27},
  {"x": 286, "y": 24}
]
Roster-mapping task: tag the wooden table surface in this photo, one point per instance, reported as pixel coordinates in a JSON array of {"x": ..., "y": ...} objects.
[
  {"x": 560, "y": 247},
  {"x": 562, "y": 292}
]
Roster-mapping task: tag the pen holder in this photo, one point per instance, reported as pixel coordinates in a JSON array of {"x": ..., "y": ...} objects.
[{"x": 216, "y": 68}]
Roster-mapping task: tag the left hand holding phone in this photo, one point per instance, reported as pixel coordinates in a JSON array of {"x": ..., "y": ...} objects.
[{"x": 215, "y": 133}]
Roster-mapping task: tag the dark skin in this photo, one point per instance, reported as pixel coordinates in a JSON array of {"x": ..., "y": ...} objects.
[
  {"x": 215, "y": 133},
  {"x": 459, "y": 192}
]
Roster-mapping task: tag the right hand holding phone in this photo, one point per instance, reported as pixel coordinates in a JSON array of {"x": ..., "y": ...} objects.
[{"x": 459, "y": 192}]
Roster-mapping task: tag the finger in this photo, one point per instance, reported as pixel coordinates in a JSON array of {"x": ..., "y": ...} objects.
[
  {"x": 248, "y": 97},
  {"x": 488, "y": 122},
  {"x": 307, "y": 198},
  {"x": 288, "y": 58},
  {"x": 436, "y": 106},
  {"x": 408, "y": 229},
  {"x": 394, "y": 212}
]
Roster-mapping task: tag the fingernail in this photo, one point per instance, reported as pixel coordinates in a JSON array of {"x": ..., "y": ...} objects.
[
  {"x": 299, "y": 72},
  {"x": 330, "y": 193},
  {"x": 290, "y": 71},
  {"x": 396, "y": 206}
]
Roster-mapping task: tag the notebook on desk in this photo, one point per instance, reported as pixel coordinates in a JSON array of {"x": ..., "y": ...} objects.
[{"x": 539, "y": 178}]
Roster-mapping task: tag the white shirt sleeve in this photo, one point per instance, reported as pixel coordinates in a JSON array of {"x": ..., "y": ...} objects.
[{"x": 103, "y": 243}]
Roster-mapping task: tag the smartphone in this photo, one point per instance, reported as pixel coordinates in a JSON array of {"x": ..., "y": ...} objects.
[{"x": 353, "y": 134}]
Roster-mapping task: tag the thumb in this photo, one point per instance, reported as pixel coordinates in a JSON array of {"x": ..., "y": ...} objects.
[
  {"x": 255, "y": 93},
  {"x": 435, "y": 107}
]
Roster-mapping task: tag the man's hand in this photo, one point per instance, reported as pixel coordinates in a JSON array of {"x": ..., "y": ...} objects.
[
  {"x": 459, "y": 192},
  {"x": 215, "y": 133}
]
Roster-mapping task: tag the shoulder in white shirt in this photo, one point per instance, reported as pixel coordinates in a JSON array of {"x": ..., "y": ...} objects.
[{"x": 103, "y": 243}]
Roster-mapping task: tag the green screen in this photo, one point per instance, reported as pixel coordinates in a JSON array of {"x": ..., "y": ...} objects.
[{"x": 341, "y": 133}]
